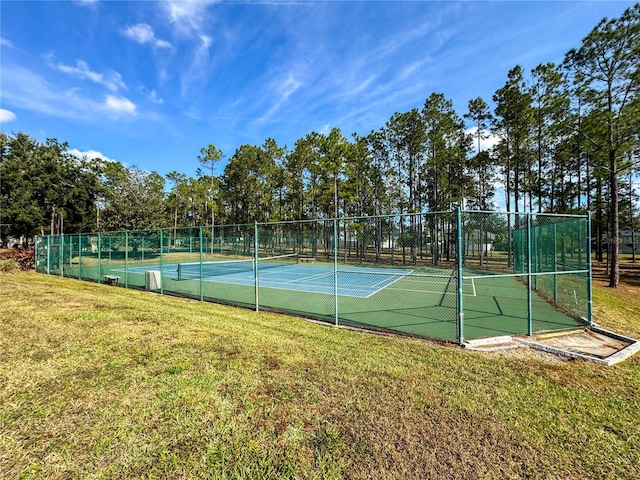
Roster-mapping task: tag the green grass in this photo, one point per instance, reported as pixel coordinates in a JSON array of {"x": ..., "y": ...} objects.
[{"x": 103, "y": 382}]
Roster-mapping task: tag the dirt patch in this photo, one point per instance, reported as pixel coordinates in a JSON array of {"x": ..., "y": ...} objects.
[{"x": 585, "y": 342}]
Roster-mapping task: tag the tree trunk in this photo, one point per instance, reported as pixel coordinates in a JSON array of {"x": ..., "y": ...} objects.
[{"x": 614, "y": 274}]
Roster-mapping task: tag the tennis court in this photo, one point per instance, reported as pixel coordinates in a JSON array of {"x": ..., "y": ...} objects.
[
  {"x": 448, "y": 275},
  {"x": 284, "y": 274}
]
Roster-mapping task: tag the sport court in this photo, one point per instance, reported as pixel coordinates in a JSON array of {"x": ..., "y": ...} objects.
[
  {"x": 520, "y": 273},
  {"x": 398, "y": 299}
]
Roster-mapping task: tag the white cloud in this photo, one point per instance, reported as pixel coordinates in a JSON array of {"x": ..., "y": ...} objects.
[
  {"x": 119, "y": 105},
  {"x": 282, "y": 92},
  {"x": 22, "y": 88},
  {"x": 87, "y": 3},
  {"x": 5, "y": 43},
  {"x": 143, "y": 33},
  {"x": 89, "y": 154},
  {"x": 6, "y": 116},
  {"x": 112, "y": 80},
  {"x": 153, "y": 96},
  {"x": 201, "y": 63},
  {"x": 485, "y": 143},
  {"x": 187, "y": 17}
]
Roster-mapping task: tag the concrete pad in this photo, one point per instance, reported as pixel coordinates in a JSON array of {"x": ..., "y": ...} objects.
[{"x": 595, "y": 344}]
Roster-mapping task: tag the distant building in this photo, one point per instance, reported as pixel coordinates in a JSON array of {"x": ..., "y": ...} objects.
[{"x": 627, "y": 242}]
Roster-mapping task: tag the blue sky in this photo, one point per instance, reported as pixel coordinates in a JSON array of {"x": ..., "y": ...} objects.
[{"x": 151, "y": 83}]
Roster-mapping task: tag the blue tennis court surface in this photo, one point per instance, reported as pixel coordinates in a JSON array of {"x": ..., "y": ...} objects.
[{"x": 352, "y": 281}]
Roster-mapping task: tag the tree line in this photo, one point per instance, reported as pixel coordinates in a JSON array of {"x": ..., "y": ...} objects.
[{"x": 566, "y": 141}]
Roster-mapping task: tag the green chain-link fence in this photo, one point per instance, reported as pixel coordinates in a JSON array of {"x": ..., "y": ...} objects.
[{"x": 454, "y": 276}]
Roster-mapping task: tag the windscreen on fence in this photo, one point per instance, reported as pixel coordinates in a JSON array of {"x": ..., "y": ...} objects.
[{"x": 451, "y": 275}]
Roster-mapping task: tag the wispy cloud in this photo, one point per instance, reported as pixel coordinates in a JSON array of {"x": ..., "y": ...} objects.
[
  {"x": 111, "y": 79},
  {"x": 6, "y": 116},
  {"x": 25, "y": 89},
  {"x": 199, "y": 66},
  {"x": 281, "y": 93},
  {"x": 187, "y": 17},
  {"x": 119, "y": 106},
  {"x": 142, "y": 34},
  {"x": 153, "y": 96},
  {"x": 5, "y": 43},
  {"x": 87, "y": 3},
  {"x": 190, "y": 20}
]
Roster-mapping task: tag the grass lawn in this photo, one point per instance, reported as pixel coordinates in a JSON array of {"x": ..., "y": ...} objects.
[{"x": 103, "y": 382}]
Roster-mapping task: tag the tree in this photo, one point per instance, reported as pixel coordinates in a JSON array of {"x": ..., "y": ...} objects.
[
  {"x": 44, "y": 188},
  {"x": 607, "y": 64},
  {"x": 134, "y": 200},
  {"x": 208, "y": 158},
  {"x": 513, "y": 122},
  {"x": 176, "y": 200},
  {"x": 480, "y": 116},
  {"x": 550, "y": 107},
  {"x": 246, "y": 183}
]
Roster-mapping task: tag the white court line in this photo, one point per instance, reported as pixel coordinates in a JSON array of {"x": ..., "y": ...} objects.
[
  {"x": 386, "y": 286},
  {"x": 440, "y": 292},
  {"x": 387, "y": 279},
  {"x": 305, "y": 279}
]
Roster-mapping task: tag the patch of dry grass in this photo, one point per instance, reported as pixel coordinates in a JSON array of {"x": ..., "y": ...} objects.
[{"x": 102, "y": 382}]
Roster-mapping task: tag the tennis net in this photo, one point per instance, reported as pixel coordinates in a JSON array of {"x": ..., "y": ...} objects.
[{"x": 193, "y": 270}]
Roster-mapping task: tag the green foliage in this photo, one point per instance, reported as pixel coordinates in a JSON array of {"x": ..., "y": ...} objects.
[
  {"x": 44, "y": 187},
  {"x": 8, "y": 265},
  {"x": 134, "y": 199}
]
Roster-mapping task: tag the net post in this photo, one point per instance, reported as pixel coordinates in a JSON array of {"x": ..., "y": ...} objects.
[
  {"x": 161, "y": 261},
  {"x": 529, "y": 277},
  {"x": 335, "y": 269},
  {"x": 459, "y": 304},
  {"x": 589, "y": 273},
  {"x": 256, "y": 274}
]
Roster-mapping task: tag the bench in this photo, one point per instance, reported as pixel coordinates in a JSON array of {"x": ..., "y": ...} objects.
[
  {"x": 306, "y": 260},
  {"x": 111, "y": 279}
]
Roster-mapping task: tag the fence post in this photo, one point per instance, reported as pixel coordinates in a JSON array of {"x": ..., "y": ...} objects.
[
  {"x": 256, "y": 271},
  {"x": 126, "y": 259},
  {"x": 61, "y": 262},
  {"x": 190, "y": 249},
  {"x": 161, "y": 262},
  {"x": 589, "y": 273},
  {"x": 48, "y": 254},
  {"x": 335, "y": 268},
  {"x": 529, "y": 278},
  {"x": 99, "y": 258},
  {"x": 79, "y": 256},
  {"x": 459, "y": 304},
  {"x": 554, "y": 261}
]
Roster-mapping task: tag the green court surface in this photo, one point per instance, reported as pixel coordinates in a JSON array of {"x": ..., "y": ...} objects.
[{"x": 403, "y": 302}]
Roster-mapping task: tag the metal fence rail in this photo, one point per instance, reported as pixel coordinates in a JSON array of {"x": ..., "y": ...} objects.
[{"x": 453, "y": 276}]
